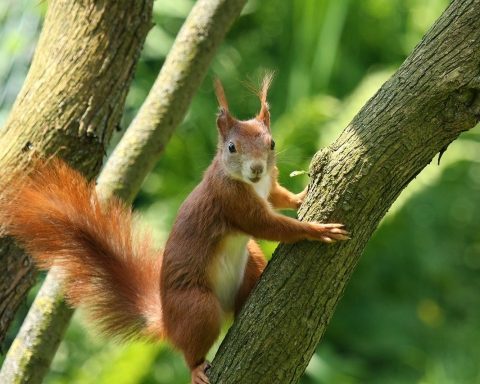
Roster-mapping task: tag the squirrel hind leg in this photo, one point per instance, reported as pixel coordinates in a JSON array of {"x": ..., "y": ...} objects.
[
  {"x": 192, "y": 323},
  {"x": 256, "y": 263}
]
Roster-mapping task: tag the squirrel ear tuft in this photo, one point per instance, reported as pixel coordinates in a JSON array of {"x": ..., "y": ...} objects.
[
  {"x": 264, "y": 114},
  {"x": 220, "y": 93},
  {"x": 225, "y": 121}
]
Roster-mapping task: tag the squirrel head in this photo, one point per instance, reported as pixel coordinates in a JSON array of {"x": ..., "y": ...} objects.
[{"x": 246, "y": 147}]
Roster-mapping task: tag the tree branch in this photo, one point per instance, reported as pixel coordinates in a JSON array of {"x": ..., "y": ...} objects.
[
  {"x": 186, "y": 65},
  {"x": 168, "y": 100},
  {"x": 69, "y": 105},
  {"x": 432, "y": 98}
]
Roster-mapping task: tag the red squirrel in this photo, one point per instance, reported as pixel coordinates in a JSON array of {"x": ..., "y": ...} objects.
[{"x": 210, "y": 262}]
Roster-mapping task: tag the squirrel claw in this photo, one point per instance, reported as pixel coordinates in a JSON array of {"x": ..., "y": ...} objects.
[
  {"x": 199, "y": 373},
  {"x": 327, "y": 239},
  {"x": 332, "y": 225},
  {"x": 329, "y": 233}
]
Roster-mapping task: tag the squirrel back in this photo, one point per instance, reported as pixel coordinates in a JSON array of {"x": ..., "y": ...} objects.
[{"x": 58, "y": 218}]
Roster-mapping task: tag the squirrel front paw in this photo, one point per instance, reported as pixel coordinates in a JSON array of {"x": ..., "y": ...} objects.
[
  {"x": 327, "y": 233},
  {"x": 300, "y": 197}
]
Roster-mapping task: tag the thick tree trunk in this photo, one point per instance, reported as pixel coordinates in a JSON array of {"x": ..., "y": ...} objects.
[
  {"x": 433, "y": 97},
  {"x": 29, "y": 357},
  {"x": 69, "y": 105}
]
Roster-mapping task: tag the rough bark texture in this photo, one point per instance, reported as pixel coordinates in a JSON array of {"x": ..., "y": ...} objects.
[
  {"x": 433, "y": 97},
  {"x": 69, "y": 105},
  {"x": 24, "y": 348},
  {"x": 186, "y": 65},
  {"x": 170, "y": 96}
]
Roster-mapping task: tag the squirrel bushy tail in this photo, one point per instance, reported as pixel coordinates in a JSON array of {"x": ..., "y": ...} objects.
[{"x": 115, "y": 273}]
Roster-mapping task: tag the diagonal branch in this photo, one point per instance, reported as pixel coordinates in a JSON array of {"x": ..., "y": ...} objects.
[
  {"x": 165, "y": 107},
  {"x": 186, "y": 65},
  {"x": 432, "y": 98}
]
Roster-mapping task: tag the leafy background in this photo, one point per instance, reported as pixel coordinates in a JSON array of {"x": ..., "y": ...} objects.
[{"x": 411, "y": 313}]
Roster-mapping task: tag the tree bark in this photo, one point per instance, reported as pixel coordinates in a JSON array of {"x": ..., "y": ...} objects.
[
  {"x": 35, "y": 345},
  {"x": 69, "y": 105},
  {"x": 432, "y": 98},
  {"x": 25, "y": 363},
  {"x": 168, "y": 100}
]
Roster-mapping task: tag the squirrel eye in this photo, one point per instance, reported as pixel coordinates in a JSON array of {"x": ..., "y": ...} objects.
[
  {"x": 231, "y": 147},
  {"x": 272, "y": 145}
]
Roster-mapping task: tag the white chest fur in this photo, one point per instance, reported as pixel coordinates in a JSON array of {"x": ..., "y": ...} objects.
[
  {"x": 263, "y": 186},
  {"x": 229, "y": 268}
]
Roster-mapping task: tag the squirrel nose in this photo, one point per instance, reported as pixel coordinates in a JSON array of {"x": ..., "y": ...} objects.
[{"x": 257, "y": 168}]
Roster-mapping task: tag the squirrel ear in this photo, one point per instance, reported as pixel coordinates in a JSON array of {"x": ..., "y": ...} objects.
[
  {"x": 264, "y": 114},
  {"x": 225, "y": 121}
]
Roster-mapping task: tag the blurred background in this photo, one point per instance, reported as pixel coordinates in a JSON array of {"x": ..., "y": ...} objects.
[{"x": 411, "y": 313}]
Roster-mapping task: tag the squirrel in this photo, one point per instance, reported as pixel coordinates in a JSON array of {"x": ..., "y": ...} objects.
[{"x": 210, "y": 262}]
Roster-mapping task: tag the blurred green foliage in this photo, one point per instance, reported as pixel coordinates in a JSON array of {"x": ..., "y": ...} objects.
[{"x": 411, "y": 313}]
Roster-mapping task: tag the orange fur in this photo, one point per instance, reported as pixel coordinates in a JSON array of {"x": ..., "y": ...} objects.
[
  {"x": 220, "y": 93},
  {"x": 255, "y": 265},
  {"x": 59, "y": 219},
  {"x": 264, "y": 114},
  {"x": 281, "y": 198}
]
